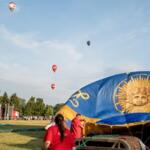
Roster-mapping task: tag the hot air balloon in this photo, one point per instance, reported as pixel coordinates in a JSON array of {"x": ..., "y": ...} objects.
[
  {"x": 12, "y": 6},
  {"x": 54, "y": 67},
  {"x": 120, "y": 110},
  {"x": 53, "y": 86},
  {"x": 88, "y": 43}
]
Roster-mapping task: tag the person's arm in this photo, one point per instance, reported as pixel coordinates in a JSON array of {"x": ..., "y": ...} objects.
[
  {"x": 48, "y": 138},
  {"x": 72, "y": 141},
  {"x": 83, "y": 127},
  {"x": 46, "y": 145},
  {"x": 82, "y": 124}
]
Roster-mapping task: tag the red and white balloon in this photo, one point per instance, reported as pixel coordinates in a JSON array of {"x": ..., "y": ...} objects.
[
  {"x": 12, "y": 6},
  {"x": 54, "y": 68},
  {"x": 53, "y": 86}
]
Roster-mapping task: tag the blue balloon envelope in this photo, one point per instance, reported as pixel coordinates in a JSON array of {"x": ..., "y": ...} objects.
[{"x": 115, "y": 100}]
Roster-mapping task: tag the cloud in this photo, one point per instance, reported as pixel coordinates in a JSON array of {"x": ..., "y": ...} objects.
[
  {"x": 123, "y": 68},
  {"x": 44, "y": 48},
  {"x": 31, "y": 74},
  {"x": 20, "y": 40},
  {"x": 36, "y": 75},
  {"x": 84, "y": 74}
]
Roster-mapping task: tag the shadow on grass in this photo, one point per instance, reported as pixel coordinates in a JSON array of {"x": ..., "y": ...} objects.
[
  {"x": 34, "y": 132},
  {"x": 20, "y": 128},
  {"x": 35, "y": 144}
]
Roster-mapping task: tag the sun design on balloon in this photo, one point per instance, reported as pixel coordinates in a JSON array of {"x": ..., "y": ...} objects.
[{"x": 133, "y": 96}]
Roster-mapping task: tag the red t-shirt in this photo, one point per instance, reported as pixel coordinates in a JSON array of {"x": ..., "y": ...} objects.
[
  {"x": 76, "y": 128},
  {"x": 53, "y": 135}
]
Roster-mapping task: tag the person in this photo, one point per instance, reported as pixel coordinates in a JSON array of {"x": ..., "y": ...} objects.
[
  {"x": 58, "y": 137},
  {"x": 77, "y": 126},
  {"x": 83, "y": 122}
]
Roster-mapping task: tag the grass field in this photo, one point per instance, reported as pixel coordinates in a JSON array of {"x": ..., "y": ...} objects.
[{"x": 28, "y": 140}]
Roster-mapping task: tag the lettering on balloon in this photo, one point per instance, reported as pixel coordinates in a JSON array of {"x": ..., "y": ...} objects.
[{"x": 75, "y": 98}]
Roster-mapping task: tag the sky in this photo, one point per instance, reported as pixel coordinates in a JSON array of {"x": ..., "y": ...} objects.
[{"x": 39, "y": 34}]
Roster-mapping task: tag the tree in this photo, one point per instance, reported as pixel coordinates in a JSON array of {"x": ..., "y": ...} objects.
[
  {"x": 1, "y": 99},
  {"x": 30, "y": 107},
  {"x": 39, "y": 107},
  {"x": 22, "y": 104},
  {"x": 14, "y": 101},
  {"x": 48, "y": 110},
  {"x": 5, "y": 99}
]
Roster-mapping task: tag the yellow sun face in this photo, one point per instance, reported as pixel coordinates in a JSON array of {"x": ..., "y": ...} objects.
[{"x": 134, "y": 95}]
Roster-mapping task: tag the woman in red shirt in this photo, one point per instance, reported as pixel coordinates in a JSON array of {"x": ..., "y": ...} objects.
[
  {"x": 77, "y": 127},
  {"x": 58, "y": 137}
]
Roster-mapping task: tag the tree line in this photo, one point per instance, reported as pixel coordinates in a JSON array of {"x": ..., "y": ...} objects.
[{"x": 31, "y": 107}]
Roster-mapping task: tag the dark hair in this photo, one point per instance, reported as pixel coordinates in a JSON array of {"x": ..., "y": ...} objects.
[
  {"x": 78, "y": 114},
  {"x": 59, "y": 120}
]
